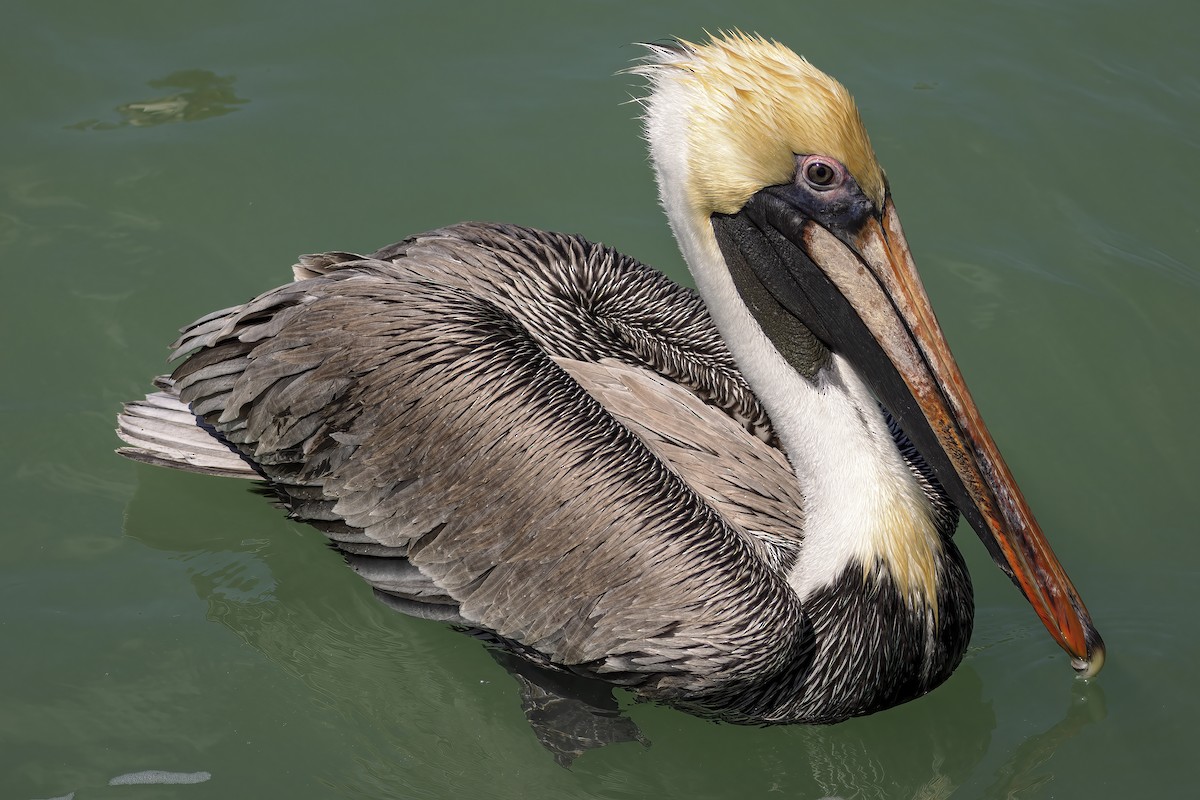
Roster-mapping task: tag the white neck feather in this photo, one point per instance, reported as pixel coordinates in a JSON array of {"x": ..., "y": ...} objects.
[{"x": 863, "y": 503}]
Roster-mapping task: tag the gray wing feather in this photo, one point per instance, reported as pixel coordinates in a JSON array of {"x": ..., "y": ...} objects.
[
  {"x": 436, "y": 410},
  {"x": 748, "y": 482}
]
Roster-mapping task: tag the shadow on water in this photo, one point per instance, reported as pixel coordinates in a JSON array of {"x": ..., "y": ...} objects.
[
  {"x": 410, "y": 695},
  {"x": 200, "y": 94}
]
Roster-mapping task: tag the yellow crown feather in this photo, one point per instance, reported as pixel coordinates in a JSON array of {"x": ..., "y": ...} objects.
[{"x": 754, "y": 104}]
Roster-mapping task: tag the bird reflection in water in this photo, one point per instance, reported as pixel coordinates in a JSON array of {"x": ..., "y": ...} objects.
[{"x": 263, "y": 592}]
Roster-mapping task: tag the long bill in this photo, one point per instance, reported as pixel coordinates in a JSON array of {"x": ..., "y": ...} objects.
[{"x": 859, "y": 293}]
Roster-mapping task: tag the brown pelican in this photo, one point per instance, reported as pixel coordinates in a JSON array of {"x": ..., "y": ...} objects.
[{"x": 742, "y": 506}]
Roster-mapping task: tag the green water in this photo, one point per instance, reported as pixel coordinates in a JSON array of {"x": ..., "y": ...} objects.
[{"x": 160, "y": 160}]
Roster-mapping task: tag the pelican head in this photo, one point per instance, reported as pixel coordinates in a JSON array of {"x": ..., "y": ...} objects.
[{"x": 786, "y": 220}]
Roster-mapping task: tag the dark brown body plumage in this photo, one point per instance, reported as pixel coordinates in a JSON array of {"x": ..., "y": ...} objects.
[{"x": 535, "y": 436}]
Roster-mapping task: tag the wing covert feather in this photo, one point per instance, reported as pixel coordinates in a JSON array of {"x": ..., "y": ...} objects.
[{"x": 418, "y": 400}]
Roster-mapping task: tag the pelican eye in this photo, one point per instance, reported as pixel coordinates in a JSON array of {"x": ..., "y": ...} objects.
[{"x": 820, "y": 174}]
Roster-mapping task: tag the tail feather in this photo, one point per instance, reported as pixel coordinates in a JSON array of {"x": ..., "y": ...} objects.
[{"x": 162, "y": 430}]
